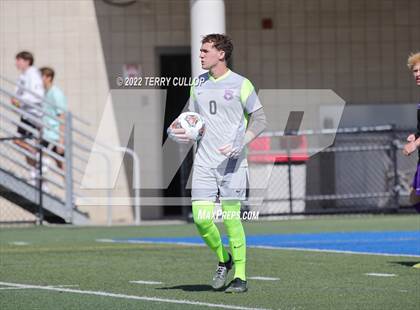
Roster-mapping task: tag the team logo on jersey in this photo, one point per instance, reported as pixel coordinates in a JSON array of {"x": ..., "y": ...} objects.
[{"x": 228, "y": 94}]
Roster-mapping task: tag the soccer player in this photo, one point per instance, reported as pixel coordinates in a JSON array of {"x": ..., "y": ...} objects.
[
  {"x": 29, "y": 96},
  {"x": 414, "y": 139},
  {"x": 234, "y": 117},
  {"x": 54, "y": 108}
]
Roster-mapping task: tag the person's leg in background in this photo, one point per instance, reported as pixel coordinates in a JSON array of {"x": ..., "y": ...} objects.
[
  {"x": 415, "y": 197},
  {"x": 415, "y": 190}
]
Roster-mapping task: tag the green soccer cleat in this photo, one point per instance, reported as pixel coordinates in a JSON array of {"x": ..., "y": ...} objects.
[
  {"x": 237, "y": 286},
  {"x": 219, "y": 278}
]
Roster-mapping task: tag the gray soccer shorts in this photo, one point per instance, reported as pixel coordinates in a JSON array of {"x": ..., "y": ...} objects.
[{"x": 230, "y": 184}]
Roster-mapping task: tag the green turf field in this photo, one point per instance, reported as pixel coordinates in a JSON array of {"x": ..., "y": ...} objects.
[{"x": 95, "y": 275}]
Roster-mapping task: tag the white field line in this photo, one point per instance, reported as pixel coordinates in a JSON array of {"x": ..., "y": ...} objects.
[
  {"x": 19, "y": 243},
  {"x": 267, "y": 247},
  {"x": 373, "y": 274},
  {"x": 132, "y": 297},
  {"x": 145, "y": 282},
  {"x": 263, "y": 278},
  {"x": 26, "y": 287},
  {"x": 332, "y": 251},
  {"x": 147, "y": 242},
  {"x": 13, "y": 288}
]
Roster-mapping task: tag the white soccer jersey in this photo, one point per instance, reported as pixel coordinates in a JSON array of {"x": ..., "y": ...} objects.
[{"x": 224, "y": 103}]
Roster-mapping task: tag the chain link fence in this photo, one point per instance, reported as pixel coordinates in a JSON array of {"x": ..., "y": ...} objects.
[{"x": 363, "y": 171}]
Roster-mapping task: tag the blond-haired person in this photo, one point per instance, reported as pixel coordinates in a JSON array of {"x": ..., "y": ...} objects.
[{"x": 413, "y": 140}]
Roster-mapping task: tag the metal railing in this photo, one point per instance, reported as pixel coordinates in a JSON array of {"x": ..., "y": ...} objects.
[
  {"x": 77, "y": 147},
  {"x": 363, "y": 171}
]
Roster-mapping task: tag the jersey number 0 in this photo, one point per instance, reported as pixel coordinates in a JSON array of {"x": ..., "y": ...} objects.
[{"x": 213, "y": 107}]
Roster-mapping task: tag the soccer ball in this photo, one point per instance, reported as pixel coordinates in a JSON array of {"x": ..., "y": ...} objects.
[{"x": 193, "y": 124}]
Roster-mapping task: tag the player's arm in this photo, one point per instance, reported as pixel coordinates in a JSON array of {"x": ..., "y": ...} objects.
[
  {"x": 416, "y": 135},
  {"x": 257, "y": 120},
  {"x": 257, "y": 124},
  {"x": 413, "y": 139}
]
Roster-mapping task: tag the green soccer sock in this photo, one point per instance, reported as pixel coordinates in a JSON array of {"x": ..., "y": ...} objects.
[
  {"x": 236, "y": 234},
  {"x": 203, "y": 219}
]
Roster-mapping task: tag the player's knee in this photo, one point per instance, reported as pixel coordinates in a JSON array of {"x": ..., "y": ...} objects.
[
  {"x": 203, "y": 214},
  {"x": 203, "y": 225},
  {"x": 202, "y": 221},
  {"x": 233, "y": 225}
]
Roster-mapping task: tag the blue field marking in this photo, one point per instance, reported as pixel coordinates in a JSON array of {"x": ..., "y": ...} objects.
[{"x": 404, "y": 243}]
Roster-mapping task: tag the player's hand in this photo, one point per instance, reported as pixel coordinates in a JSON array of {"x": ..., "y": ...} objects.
[
  {"x": 411, "y": 138},
  {"x": 409, "y": 148},
  {"x": 15, "y": 102},
  {"x": 177, "y": 133},
  {"x": 230, "y": 151}
]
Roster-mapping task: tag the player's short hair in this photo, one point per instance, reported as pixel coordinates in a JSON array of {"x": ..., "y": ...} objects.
[
  {"x": 47, "y": 71},
  {"x": 26, "y": 56},
  {"x": 221, "y": 42},
  {"x": 413, "y": 59}
]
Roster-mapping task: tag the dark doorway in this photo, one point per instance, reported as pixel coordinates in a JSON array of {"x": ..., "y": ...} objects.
[{"x": 176, "y": 63}]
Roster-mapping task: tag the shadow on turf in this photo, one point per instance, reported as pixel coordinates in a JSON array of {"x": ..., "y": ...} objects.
[
  {"x": 406, "y": 264},
  {"x": 188, "y": 288}
]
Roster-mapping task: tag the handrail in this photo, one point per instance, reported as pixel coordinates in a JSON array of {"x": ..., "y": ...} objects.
[
  {"x": 22, "y": 112},
  {"x": 78, "y": 118},
  {"x": 31, "y": 105},
  {"x": 348, "y": 130},
  {"x": 81, "y": 147},
  {"x": 74, "y": 150},
  {"x": 35, "y": 145},
  {"x": 31, "y": 130},
  {"x": 20, "y": 163},
  {"x": 34, "y": 157},
  {"x": 28, "y": 128},
  {"x": 76, "y": 156},
  {"x": 22, "y": 151}
]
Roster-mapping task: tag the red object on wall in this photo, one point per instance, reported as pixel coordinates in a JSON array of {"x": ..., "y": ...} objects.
[
  {"x": 267, "y": 23},
  {"x": 299, "y": 150}
]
